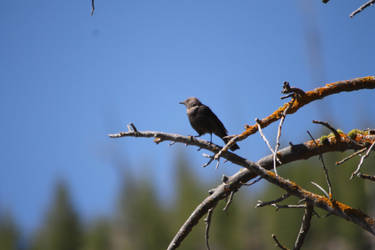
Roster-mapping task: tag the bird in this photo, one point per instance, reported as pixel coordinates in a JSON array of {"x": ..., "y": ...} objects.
[{"x": 203, "y": 120}]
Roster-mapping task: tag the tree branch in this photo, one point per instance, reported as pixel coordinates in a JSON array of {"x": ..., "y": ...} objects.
[
  {"x": 288, "y": 154},
  {"x": 253, "y": 169},
  {"x": 295, "y": 104},
  {"x": 362, "y": 7},
  {"x": 92, "y": 7},
  {"x": 305, "y": 226}
]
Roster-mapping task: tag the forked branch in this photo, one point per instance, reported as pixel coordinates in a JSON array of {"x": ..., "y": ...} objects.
[{"x": 295, "y": 104}]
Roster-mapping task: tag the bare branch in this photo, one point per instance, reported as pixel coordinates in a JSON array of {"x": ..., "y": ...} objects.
[
  {"x": 326, "y": 124},
  {"x": 278, "y": 206},
  {"x": 362, "y": 7},
  {"x": 295, "y": 92},
  {"x": 305, "y": 226},
  {"x": 278, "y": 138},
  {"x": 324, "y": 165},
  {"x": 251, "y": 183},
  {"x": 278, "y": 244},
  {"x": 366, "y": 176},
  {"x": 265, "y": 139},
  {"x": 367, "y": 82},
  {"x": 131, "y": 127},
  {"x": 351, "y": 156},
  {"x": 92, "y": 7},
  {"x": 321, "y": 189},
  {"x": 207, "y": 220},
  {"x": 230, "y": 199},
  {"x": 211, "y": 158},
  {"x": 362, "y": 159},
  {"x": 266, "y": 203},
  {"x": 286, "y": 155}
]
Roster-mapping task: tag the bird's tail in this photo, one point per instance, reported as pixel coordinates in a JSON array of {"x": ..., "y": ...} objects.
[{"x": 233, "y": 147}]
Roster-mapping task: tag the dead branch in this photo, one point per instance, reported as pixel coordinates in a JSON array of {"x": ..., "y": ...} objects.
[
  {"x": 230, "y": 199},
  {"x": 305, "y": 226},
  {"x": 266, "y": 203},
  {"x": 253, "y": 169},
  {"x": 351, "y": 156},
  {"x": 283, "y": 115},
  {"x": 207, "y": 220},
  {"x": 366, "y": 176},
  {"x": 324, "y": 165},
  {"x": 92, "y": 7},
  {"x": 278, "y": 244},
  {"x": 367, "y": 82},
  {"x": 326, "y": 124},
  {"x": 265, "y": 139},
  {"x": 361, "y": 8},
  {"x": 288, "y": 154},
  {"x": 362, "y": 159}
]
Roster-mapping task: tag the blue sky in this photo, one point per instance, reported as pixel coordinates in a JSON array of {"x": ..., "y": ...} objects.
[{"x": 68, "y": 79}]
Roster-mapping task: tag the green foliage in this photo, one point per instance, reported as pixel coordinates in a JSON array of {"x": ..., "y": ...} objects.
[
  {"x": 61, "y": 229},
  {"x": 144, "y": 221},
  {"x": 141, "y": 221},
  {"x": 9, "y": 235},
  {"x": 97, "y": 236}
]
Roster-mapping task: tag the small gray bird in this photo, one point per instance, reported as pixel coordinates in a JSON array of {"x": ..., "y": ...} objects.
[{"x": 203, "y": 120}]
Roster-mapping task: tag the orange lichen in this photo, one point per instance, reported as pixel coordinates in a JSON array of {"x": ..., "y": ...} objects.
[
  {"x": 157, "y": 140},
  {"x": 367, "y": 82}
]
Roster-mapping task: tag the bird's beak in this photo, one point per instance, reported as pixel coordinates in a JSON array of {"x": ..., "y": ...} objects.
[{"x": 182, "y": 103}]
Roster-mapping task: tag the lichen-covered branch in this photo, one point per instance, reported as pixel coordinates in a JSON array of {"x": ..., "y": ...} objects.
[
  {"x": 295, "y": 104},
  {"x": 252, "y": 169},
  {"x": 288, "y": 154}
]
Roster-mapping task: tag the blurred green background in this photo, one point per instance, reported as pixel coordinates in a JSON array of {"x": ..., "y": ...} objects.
[
  {"x": 67, "y": 79},
  {"x": 142, "y": 221}
]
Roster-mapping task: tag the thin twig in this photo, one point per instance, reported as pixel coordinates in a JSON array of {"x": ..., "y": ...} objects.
[
  {"x": 324, "y": 166},
  {"x": 351, "y": 156},
  {"x": 207, "y": 220},
  {"x": 265, "y": 139},
  {"x": 362, "y": 7},
  {"x": 305, "y": 225},
  {"x": 295, "y": 92},
  {"x": 278, "y": 244},
  {"x": 92, "y": 7},
  {"x": 322, "y": 189},
  {"x": 326, "y": 124},
  {"x": 253, "y": 169},
  {"x": 217, "y": 163},
  {"x": 366, "y": 176},
  {"x": 211, "y": 158},
  {"x": 278, "y": 206},
  {"x": 132, "y": 128},
  {"x": 278, "y": 138},
  {"x": 266, "y": 203},
  {"x": 251, "y": 183},
  {"x": 361, "y": 161},
  {"x": 230, "y": 199}
]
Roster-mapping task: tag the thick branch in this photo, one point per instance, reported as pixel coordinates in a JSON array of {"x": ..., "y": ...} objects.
[
  {"x": 286, "y": 155},
  {"x": 252, "y": 169},
  {"x": 297, "y": 103}
]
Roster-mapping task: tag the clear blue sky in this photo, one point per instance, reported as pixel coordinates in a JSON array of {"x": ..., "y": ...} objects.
[{"x": 68, "y": 79}]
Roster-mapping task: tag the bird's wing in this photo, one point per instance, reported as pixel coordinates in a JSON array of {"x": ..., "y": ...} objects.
[{"x": 216, "y": 125}]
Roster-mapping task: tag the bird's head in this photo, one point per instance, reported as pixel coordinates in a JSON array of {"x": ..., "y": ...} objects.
[{"x": 191, "y": 102}]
